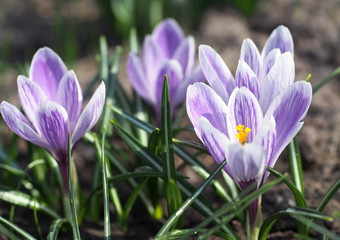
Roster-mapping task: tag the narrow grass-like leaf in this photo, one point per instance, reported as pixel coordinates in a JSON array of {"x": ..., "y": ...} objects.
[
  {"x": 328, "y": 196},
  {"x": 295, "y": 164},
  {"x": 176, "y": 215},
  {"x": 175, "y": 234},
  {"x": 22, "y": 199},
  {"x": 55, "y": 228},
  {"x": 327, "y": 79},
  {"x": 12, "y": 170},
  {"x": 16, "y": 229},
  {"x": 191, "y": 144},
  {"x": 240, "y": 204},
  {"x": 317, "y": 228},
  {"x": 299, "y": 198},
  {"x": 294, "y": 212},
  {"x": 154, "y": 162},
  {"x": 173, "y": 195},
  {"x": 8, "y": 233},
  {"x": 74, "y": 218}
]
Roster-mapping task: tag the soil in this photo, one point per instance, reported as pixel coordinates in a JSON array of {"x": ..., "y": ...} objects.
[{"x": 315, "y": 28}]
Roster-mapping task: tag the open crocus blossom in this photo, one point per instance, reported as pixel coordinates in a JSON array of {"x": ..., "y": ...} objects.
[
  {"x": 165, "y": 52},
  {"x": 52, "y": 100},
  {"x": 241, "y": 133}
]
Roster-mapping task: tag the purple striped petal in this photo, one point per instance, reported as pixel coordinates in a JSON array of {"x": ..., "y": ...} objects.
[
  {"x": 268, "y": 63},
  {"x": 31, "y": 96},
  {"x": 46, "y": 70},
  {"x": 52, "y": 120},
  {"x": 215, "y": 141},
  {"x": 251, "y": 55},
  {"x": 19, "y": 124},
  {"x": 138, "y": 80},
  {"x": 216, "y": 72},
  {"x": 152, "y": 60},
  {"x": 246, "y": 163},
  {"x": 70, "y": 97},
  {"x": 168, "y": 36},
  {"x": 202, "y": 100},
  {"x": 243, "y": 109},
  {"x": 90, "y": 114},
  {"x": 196, "y": 76},
  {"x": 175, "y": 75},
  {"x": 245, "y": 77},
  {"x": 288, "y": 110},
  {"x": 281, "y": 76},
  {"x": 266, "y": 137},
  {"x": 280, "y": 38},
  {"x": 185, "y": 55}
]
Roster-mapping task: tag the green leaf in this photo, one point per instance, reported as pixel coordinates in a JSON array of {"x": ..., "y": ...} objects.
[
  {"x": 23, "y": 200},
  {"x": 330, "y": 77},
  {"x": 191, "y": 144},
  {"x": 328, "y": 196},
  {"x": 295, "y": 164},
  {"x": 175, "y": 234},
  {"x": 294, "y": 212},
  {"x": 55, "y": 228},
  {"x": 16, "y": 229}
]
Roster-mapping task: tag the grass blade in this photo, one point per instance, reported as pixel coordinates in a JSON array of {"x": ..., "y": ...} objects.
[
  {"x": 16, "y": 229},
  {"x": 173, "y": 195},
  {"x": 328, "y": 196},
  {"x": 295, "y": 212},
  {"x": 55, "y": 228},
  {"x": 327, "y": 79},
  {"x": 295, "y": 164}
]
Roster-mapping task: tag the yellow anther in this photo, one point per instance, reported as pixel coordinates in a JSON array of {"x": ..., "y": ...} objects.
[{"x": 242, "y": 133}]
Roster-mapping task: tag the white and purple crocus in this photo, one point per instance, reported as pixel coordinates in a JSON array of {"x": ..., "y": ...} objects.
[
  {"x": 52, "y": 101},
  {"x": 248, "y": 120},
  {"x": 165, "y": 52}
]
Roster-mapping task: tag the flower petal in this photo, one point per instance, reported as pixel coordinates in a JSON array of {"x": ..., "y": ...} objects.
[
  {"x": 90, "y": 114},
  {"x": 202, "y": 100},
  {"x": 70, "y": 97},
  {"x": 174, "y": 72},
  {"x": 268, "y": 63},
  {"x": 52, "y": 120},
  {"x": 185, "y": 55},
  {"x": 216, "y": 72},
  {"x": 19, "y": 124},
  {"x": 196, "y": 76},
  {"x": 215, "y": 141},
  {"x": 31, "y": 96},
  {"x": 245, "y": 77},
  {"x": 281, "y": 76},
  {"x": 46, "y": 70},
  {"x": 251, "y": 55},
  {"x": 288, "y": 110},
  {"x": 243, "y": 109},
  {"x": 280, "y": 38},
  {"x": 138, "y": 80},
  {"x": 246, "y": 163},
  {"x": 168, "y": 35},
  {"x": 152, "y": 59}
]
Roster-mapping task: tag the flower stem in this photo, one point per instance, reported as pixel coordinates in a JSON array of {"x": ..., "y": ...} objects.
[{"x": 73, "y": 218}]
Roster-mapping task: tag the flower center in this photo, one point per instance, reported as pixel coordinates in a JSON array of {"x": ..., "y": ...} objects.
[{"x": 242, "y": 133}]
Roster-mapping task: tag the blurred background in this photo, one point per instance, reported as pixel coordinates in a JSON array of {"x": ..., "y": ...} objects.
[{"x": 72, "y": 28}]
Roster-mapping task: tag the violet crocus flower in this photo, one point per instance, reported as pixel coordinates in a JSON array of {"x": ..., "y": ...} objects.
[
  {"x": 52, "y": 100},
  {"x": 165, "y": 52}
]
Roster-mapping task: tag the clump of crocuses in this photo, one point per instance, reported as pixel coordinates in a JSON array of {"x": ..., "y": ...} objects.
[
  {"x": 52, "y": 101},
  {"x": 165, "y": 52},
  {"x": 248, "y": 120}
]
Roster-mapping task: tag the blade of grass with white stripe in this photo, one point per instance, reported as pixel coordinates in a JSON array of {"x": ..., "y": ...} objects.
[
  {"x": 55, "y": 228},
  {"x": 8, "y": 233},
  {"x": 200, "y": 204},
  {"x": 176, "y": 215},
  {"x": 173, "y": 195},
  {"x": 294, "y": 212},
  {"x": 16, "y": 229},
  {"x": 295, "y": 164}
]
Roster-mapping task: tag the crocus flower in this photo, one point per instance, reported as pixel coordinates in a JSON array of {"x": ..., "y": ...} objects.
[
  {"x": 52, "y": 100},
  {"x": 165, "y": 52},
  {"x": 249, "y": 120}
]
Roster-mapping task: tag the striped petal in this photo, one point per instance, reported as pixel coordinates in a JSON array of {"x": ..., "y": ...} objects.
[
  {"x": 280, "y": 38},
  {"x": 251, "y": 55}
]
